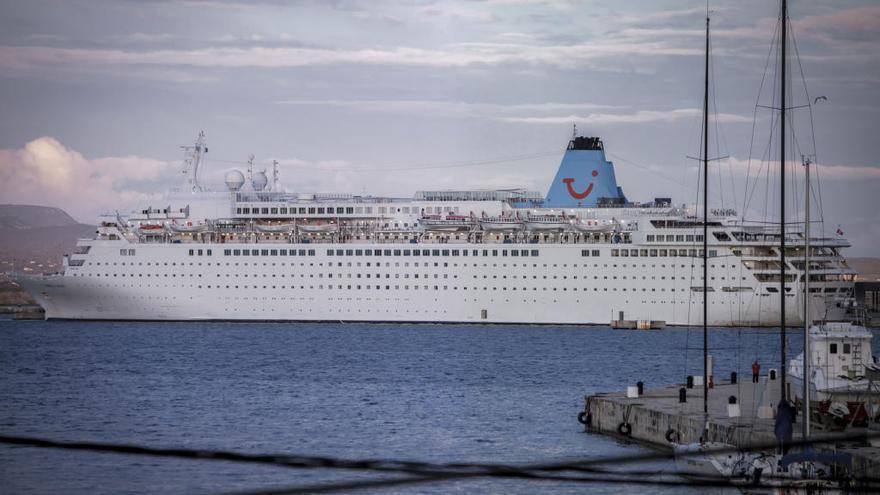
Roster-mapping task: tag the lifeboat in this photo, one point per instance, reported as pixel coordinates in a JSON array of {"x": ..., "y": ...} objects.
[
  {"x": 274, "y": 228},
  {"x": 548, "y": 222},
  {"x": 495, "y": 224},
  {"x": 594, "y": 226},
  {"x": 318, "y": 227},
  {"x": 188, "y": 228},
  {"x": 452, "y": 223},
  {"x": 151, "y": 229}
]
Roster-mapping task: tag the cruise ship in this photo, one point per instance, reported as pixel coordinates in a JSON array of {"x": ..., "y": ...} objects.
[{"x": 581, "y": 254}]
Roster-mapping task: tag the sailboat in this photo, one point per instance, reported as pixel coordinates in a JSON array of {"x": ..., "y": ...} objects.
[
  {"x": 703, "y": 458},
  {"x": 806, "y": 470}
]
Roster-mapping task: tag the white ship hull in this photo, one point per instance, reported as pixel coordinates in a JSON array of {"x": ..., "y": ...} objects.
[{"x": 558, "y": 286}]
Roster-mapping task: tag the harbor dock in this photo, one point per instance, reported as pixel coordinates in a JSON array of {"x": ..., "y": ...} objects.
[{"x": 656, "y": 416}]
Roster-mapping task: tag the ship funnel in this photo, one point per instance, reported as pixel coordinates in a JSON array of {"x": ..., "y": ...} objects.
[{"x": 585, "y": 177}]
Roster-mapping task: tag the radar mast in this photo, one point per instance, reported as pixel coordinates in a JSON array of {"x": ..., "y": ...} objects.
[
  {"x": 275, "y": 183},
  {"x": 192, "y": 157}
]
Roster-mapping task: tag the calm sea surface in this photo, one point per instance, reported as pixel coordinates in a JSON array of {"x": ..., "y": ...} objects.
[{"x": 443, "y": 393}]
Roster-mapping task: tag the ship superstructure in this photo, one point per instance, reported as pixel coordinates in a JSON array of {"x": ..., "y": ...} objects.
[{"x": 584, "y": 254}]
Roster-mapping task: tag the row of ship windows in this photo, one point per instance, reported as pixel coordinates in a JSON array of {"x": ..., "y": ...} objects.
[
  {"x": 407, "y": 264},
  {"x": 399, "y": 287},
  {"x": 772, "y": 290},
  {"x": 673, "y": 238},
  {"x": 388, "y": 275},
  {"x": 366, "y": 299},
  {"x": 432, "y": 252},
  {"x": 623, "y": 253},
  {"x": 655, "y": 253},
  {"x": 340, "y": 210},
  {"x": 721, "y": 236},
  {"x": 375, "y": 252}
]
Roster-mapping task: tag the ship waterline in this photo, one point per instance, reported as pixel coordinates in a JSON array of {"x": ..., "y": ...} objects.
[{"x": 574, "y": 257}]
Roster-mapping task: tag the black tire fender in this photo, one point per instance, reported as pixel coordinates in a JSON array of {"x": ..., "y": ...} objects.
[
  {"x": 585, "y": 418},
  {"x": 624, "y": 429},
  {"x": 672, "y": 436}
]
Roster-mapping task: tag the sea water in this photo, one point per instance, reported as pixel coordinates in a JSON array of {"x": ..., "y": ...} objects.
[{"x": 438, "y": 393}]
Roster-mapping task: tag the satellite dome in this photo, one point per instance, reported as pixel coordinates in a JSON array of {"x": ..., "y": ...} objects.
[
  {"x": 259, "y": 181},
  {"x": 234, "y": 180}
]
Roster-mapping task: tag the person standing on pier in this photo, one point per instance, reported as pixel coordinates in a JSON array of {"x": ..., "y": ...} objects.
[
  {"x": 756, "y": 371},
  {"x": 785, "y": 417}
]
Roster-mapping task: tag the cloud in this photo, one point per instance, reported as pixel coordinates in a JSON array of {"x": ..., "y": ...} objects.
[
  {"x": 860, "y": 23},
  {"x": 821, "y": 171},
  {"x": 541, "y": 113},
  {"x": 849, "y": 172},
  {"x": 46, "y": 38},
  {"x": 556, "y": 4},
  {"x": 639, "y": 117},
  {"x": 21, "y": 58},
  {"x": 760, "y": 32},
  {"x": 457, "y": 12},
  {"x": 44, "y": 170},
  {"x": 434, "y": 108},
  {"x": 145, "y": 38}
]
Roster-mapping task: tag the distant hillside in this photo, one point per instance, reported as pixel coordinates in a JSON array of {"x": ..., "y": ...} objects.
[
  {"x": 34, "y": 238},
  {"x": 867, "y": 268},
  {"x": 33, "y": 217}
]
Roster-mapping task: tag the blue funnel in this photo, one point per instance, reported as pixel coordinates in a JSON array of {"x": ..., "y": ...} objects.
[{"x": 584, "y": 178}]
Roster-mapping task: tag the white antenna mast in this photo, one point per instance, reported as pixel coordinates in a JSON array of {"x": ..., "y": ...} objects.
[
  {"x": 275, "y": 176},
  {"x": 250, "y": 169},
  {"x": 192, "y": 157}
]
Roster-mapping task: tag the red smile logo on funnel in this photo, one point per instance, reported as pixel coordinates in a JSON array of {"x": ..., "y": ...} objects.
[{"x": 579, "y": 195}]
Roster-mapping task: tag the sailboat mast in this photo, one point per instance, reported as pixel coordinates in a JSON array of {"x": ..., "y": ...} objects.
[
  {"x": 807, "y": 297},
  {"x": 784, "y": 18},
  {"x": 706, "y": 228}
]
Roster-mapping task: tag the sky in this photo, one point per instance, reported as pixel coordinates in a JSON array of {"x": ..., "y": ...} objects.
[{"x": 388, "y": 98}]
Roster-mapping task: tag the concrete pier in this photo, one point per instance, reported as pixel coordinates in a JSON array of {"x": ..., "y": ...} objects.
[{"x": 658, "y": 413}]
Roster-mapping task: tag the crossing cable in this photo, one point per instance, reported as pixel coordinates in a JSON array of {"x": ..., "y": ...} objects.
[
  {"x": 424, "y": 472},
  {"x": 404, "y": 466},
  {"x": 705, "y": 482}
]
